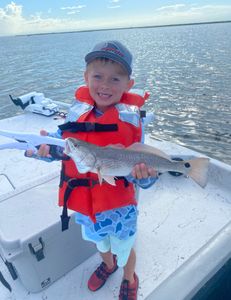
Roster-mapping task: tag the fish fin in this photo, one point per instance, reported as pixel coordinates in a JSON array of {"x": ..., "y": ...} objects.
[
  {"x": 117, "y": 146},
  {"x": 99, "y": 176},
  {"x": 82, "y": 169},
  {"x": 149, "y": 149},
  {"x": 199, "y": 170},
  {"x": 109, "y": 179}
]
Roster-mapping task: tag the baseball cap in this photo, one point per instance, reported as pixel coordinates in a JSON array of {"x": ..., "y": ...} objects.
[{"x": 113, "y": 50}]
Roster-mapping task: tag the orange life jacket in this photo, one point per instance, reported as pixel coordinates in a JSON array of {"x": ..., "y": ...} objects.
[{"x": 118, "y": 125}]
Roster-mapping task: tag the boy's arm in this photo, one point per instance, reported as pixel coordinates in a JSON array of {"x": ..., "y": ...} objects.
[
  {"x": 143, "y": 176},
  {"x": 57, "y": 134}
]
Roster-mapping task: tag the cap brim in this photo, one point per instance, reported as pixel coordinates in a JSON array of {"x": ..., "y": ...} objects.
[{"x": 103, "y": 54}]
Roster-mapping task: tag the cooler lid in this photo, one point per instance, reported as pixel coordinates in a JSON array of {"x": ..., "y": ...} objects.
[{"x": 29, "y": 210}]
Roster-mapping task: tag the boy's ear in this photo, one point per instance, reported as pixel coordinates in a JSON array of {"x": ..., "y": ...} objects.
[
  {"x": 130, "y": 84},
  {"x": 86, "y": 77}
]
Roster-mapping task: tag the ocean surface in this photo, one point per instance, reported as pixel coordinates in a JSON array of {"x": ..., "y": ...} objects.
[{"x": 187, "y": 70}]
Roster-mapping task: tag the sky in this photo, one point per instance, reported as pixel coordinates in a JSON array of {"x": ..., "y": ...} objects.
[{"x": 43, "y": 16}]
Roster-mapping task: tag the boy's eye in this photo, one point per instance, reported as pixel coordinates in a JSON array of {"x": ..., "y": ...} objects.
[
  {"x": 115, "y": 79},
  {"x": 97, "y": 76}
]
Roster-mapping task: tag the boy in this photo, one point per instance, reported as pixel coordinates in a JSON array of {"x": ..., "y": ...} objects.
[{"x": 105, "y": 113}]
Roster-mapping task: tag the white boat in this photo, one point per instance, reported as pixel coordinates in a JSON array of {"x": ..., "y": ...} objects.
[{"x": 183, "y": 229}]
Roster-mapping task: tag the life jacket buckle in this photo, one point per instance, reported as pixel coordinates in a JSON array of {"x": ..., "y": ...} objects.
[
  {"x": 93, "y": 183},
  {"x": 75, "y": 182},
  {"x": 89, "y": 126},
  {"x": 70, "y": 183}
]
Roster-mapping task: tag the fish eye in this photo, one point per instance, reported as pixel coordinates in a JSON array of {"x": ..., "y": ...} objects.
[{"x": 187, "y": 165}]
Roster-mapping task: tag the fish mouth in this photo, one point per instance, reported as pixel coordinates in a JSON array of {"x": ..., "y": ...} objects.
[
  {"x": 70, "y": 150},
  {"x": 67, "y": 149}
]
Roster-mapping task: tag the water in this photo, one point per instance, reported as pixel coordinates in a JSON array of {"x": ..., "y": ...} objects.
[{"x": 186, "y": 68}]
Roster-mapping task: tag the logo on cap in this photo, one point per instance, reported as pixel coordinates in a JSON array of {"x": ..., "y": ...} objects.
[{"x": 112, "y": 48}]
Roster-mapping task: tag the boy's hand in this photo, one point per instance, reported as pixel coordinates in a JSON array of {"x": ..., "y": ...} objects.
[
  {"x": 141, "y": 171},
  {"x": 43, "y": 150}
]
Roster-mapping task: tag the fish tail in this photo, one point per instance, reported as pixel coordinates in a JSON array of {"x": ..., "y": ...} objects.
[{"x": 199, "y": 170}]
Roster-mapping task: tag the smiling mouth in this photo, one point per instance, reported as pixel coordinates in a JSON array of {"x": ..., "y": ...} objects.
[{"x": 104, "y": 96}]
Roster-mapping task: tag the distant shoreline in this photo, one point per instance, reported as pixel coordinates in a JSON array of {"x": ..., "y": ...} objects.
[{"x": 122, "y": 28}]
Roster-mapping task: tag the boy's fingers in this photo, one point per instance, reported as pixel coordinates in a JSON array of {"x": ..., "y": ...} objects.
[
  {"x": 43, "y": 132},
  {"x": 29, "y": 152},
  {"x": 44, "y": 150},
  {"x": 152, "y": 172},
  {"x": 142, "y": 171}
]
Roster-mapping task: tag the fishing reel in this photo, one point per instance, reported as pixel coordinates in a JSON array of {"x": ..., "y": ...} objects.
[{"x": 36, "y": 103}]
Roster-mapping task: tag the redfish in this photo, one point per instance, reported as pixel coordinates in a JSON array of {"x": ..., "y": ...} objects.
[{"x": 112, "y": 161}]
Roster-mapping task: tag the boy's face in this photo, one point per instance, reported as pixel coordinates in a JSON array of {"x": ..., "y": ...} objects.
[{"x": 107, "y": 81}]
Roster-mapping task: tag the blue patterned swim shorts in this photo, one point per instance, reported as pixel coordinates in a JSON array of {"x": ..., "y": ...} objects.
[{"x": 113, "y": 231}]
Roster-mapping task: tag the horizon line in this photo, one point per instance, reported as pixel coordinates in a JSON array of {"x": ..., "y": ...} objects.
[{"x": 120, "y": 28}]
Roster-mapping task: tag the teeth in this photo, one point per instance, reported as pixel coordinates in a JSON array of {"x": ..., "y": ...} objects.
[{"x": 104, "y": 95}]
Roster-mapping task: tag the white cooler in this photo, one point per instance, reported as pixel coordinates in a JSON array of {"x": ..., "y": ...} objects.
[{"x": 31, "y": 240}]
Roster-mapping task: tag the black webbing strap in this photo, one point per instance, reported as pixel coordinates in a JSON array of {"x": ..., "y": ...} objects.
[
  {"x": 126, "y": 182},
  {"x": 71, "y": 184},
  {"x": 142, "y": 113},
  {"x": 87, "y": 127},
  {"x": 4, "y": 282}
]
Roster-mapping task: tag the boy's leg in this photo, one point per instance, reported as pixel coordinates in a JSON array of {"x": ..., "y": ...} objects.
[
  {"x": 130, "y": 283},
  {"x": 129, "y": 268},
  {"x": 108, "y": 259}
]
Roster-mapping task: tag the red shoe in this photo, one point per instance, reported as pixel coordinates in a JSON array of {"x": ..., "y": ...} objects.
[
  {"x": 128, "y": 291},
  {"x": 100, "y": 276}
]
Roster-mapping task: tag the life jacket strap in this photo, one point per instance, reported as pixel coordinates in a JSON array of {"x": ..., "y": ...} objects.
[
  {"x": 143, "y": 113},
  {"x": 87, "y": 127},
  {"x": 73, "y": 183},
  {"x": 5, "y": 282}
]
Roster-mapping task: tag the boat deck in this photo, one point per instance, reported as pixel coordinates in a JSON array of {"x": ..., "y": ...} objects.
[{"x": 177, "y": 219}]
